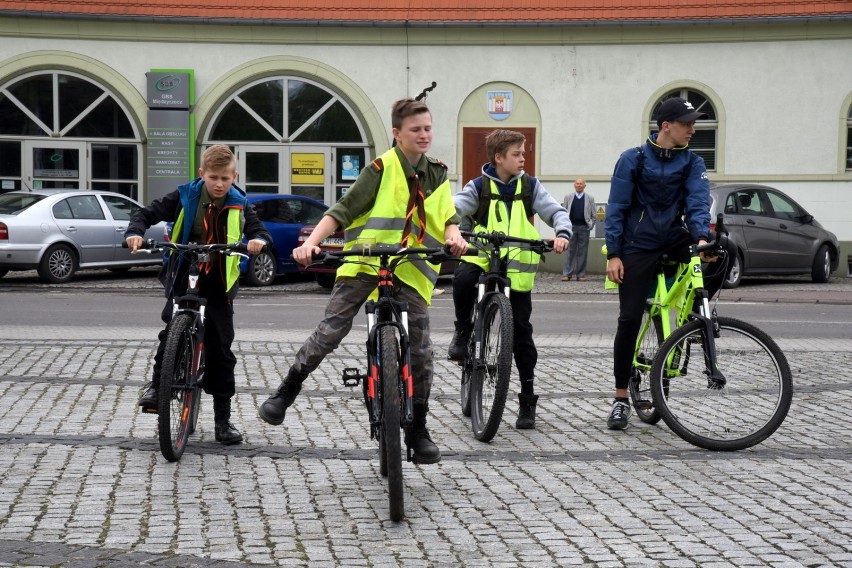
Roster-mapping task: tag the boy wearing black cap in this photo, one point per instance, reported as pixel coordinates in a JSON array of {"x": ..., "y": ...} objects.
[{"x": 659, "y": 203}]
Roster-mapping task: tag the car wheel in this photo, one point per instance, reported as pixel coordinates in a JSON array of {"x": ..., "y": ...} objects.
[
  {"x": 735, "y": 274},
  {"x": 261, "y": 270},
  {"x": 58, "y": 264},
  {"x": 821, "y": 270},
  {"x": 325, "y": 279}
]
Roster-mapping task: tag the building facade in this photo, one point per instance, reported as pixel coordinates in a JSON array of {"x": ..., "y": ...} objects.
[{"x": 304, "y": 102}]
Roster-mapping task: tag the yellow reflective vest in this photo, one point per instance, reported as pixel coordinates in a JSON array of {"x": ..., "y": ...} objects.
[
  {"x": 233, "y": 234},
  {"x": 385, "y": 222},
  {"x": 522, "y": 264}
]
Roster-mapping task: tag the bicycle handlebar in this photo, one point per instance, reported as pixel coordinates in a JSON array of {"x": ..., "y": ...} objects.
[
  {"x": 433, "y": 255},
  {"x": 498, "y": 239},
  {"x": 151, "y": 246},
  {"x": 717, "y": 243}
]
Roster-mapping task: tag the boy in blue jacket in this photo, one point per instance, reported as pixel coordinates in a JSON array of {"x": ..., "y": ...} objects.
[{"x": 209, "y": 209}]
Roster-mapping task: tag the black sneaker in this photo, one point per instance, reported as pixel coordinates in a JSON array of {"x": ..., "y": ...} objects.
[
  {"x": 458, "y": 344},
  {"x": 618, "y": 415},
  {"x": 149, "y": 399}
]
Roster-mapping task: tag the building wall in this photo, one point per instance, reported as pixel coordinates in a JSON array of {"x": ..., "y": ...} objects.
[{"x": 782, "y": 92}]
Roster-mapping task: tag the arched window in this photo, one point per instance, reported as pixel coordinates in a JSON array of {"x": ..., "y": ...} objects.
[
  {"x": 704, "y": 140},
  {"x": 291, "y": 135},
  {"x": 63, "y": 130}
]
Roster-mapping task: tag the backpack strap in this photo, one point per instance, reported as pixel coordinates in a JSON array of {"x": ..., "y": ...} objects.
[{"x": 481, "y": 215}]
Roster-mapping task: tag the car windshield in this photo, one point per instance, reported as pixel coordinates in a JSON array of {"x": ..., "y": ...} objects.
[{"x": 14, "y": 203}]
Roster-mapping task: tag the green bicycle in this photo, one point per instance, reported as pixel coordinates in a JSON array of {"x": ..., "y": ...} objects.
[{"x": 717, "y": 382}]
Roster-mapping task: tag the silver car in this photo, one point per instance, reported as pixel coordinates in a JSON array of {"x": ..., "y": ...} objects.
[
  {"x": 58, "y": 232},
  {"x": 773, "y": 234}
]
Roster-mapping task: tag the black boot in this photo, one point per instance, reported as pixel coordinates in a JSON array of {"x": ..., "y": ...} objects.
[
  {"x": 150, "y": 398},
  {"x": 226, "y": 433},
  {"x": 526, "y": 411},
  {"x": 458, "y": 345},
  {"x": 419, "y": 440},
  {"x": 273, "y": 409}
]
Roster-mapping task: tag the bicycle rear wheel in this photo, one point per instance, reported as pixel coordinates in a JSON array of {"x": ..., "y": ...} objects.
[
  {"x": 389, "y": 438},
  {"x": 490, "y": 379},
  {"x": 650, "y": 338},
  {"x": 178, "y": 392},
  {"x": 745, "y": 410}
]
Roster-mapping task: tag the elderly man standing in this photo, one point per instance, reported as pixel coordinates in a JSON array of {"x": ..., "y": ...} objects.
[{"x": 581, "y": 209}]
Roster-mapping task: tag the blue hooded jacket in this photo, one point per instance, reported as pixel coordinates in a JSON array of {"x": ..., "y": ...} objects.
[{"x": 648, "y": 205}]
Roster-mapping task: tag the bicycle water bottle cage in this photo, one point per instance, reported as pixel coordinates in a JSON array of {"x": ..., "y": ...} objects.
[{"x": 352, "y": 377}]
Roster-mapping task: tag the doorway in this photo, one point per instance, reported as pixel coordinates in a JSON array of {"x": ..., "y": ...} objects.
[
  {"x": 55, "y": 164},
  {"x": 473, "y": 151}
]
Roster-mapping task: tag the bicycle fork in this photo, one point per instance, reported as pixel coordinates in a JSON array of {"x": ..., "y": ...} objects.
[{"x": 715, "y": 378}]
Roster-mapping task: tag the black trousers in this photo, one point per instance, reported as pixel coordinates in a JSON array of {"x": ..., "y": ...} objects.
[
  {"x": 526, "y": 355},
  {"x": 218, "y": 337},
  {"x": 639, "y": 277}
]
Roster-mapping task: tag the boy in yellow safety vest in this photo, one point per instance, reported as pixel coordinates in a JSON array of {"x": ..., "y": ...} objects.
[
  {"x": 498, "y": 200},
  {"x": 402, "y": 198}
]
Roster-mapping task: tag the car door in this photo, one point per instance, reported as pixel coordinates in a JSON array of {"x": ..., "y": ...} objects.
[
  {"x": 82, "y": 219},
  {"x": 797, "y": 240},
  {"x": 759, "y": 237},
  {"x": 120, "y": 209}
]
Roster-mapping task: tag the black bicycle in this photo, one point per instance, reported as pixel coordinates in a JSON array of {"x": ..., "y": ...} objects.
[
  {"x": 388, "y": 385},
  {"x": 182, "y": 372},
  {"x": 487, "y": 365}
]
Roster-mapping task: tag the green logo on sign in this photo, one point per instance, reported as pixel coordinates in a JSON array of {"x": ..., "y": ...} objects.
[{"x": 167, "y": 83}]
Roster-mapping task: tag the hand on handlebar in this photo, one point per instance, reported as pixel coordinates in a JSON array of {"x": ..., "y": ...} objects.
[
  {"x": 457, "y": 244},
  {"x": 709, "y": 255},
  {"x": 560, "y": 244},
  {"x": 303, "y": 254},
  {"x": 255, "y": 246},
  {"x": 134, "y": 242}
]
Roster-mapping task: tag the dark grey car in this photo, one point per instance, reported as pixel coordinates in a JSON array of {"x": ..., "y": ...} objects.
[{"x": 773, "y": 234}]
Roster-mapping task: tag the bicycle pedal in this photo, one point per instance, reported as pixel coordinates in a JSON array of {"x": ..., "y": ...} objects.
[
  {"x": 644, "y": 405},
  {"x": 148, "y": 410},
  {"x": 352, "y": 377}
]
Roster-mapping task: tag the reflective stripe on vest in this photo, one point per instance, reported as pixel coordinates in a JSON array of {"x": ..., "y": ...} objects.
[
  {"x": 384, "y": 224},
  {"x": 522, "y": 264}
]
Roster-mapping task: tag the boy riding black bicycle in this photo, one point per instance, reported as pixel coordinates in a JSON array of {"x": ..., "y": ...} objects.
[
  {"x": 209, "y": 209},
  {"x": 505, "y": 198},
  {"x": 402, "y": 198}
]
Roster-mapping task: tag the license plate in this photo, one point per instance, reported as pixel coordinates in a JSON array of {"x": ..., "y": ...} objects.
[{"x": 332, "y": 242}]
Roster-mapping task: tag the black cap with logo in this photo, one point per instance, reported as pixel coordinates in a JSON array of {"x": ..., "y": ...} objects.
[{"x": 677, "y": 109}]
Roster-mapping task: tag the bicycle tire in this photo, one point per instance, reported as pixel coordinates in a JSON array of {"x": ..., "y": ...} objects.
[
  {"x": 177, "y": 393},
  {"x": 746, "y": 410},
  {"x": 467, "y": 372},
  {"x": 390, "y": 437},
  {"x": 649, "y": 341},
  {"x": 490, "y": 379}
]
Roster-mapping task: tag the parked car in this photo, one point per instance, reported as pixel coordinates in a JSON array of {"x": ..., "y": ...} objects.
[
  {"x": 773, "y": 234},
  {"x": 284, "y": 216},
  {"x": 58, "y": 232}
]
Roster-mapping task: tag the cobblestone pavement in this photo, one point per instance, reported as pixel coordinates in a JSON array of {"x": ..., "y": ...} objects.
[{"x": 83, "y": 484}]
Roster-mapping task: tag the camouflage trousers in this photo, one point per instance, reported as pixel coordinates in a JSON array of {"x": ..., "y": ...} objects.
[{"x": 347, "y": 298}]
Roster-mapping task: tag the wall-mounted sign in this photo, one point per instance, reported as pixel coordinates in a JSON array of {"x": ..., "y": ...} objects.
[
  {"x": 307, "y": 168},
  {"x": 168, "y": 163},
  {"x": 351, "y": 167},
  {"x": 168, "y": 90},
  {"x": 499, "y": 104}
]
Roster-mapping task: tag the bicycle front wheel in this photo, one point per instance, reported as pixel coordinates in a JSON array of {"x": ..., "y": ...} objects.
[
  {"x": 389, "y": 446},
  {"x": 177, "y": 390},
  {"x": 467, "y": 373},
  {"x": 650, "y": 338},
  {"x": 734, "y": 414},
  {"x": 490, "y": 379}
]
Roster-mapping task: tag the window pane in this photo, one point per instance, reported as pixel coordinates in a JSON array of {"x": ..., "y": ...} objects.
[
  {"x": 75, "y": 95},
  {"x": 10, "y": 159},
  {"x": 85, "y": 207},
  {"x": 304, "y": 100},
  {"x": 13, "y": 120},
  {"x": 121, "y": 209},
  {"x": 849, "y": 147},
  {"x": 267, "y": 100},
  {"x": 236, "y": 124},
  {"x": 783, "y": 208},
  {"x": 703, "y": 143},
  {"x": 114, "y": 161},
  {"x": 107, "y": 120},
  {"x": 334, "y": 125},
  {"x": 261, "y": 167},
  {"x": 36, "y": 93}
]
